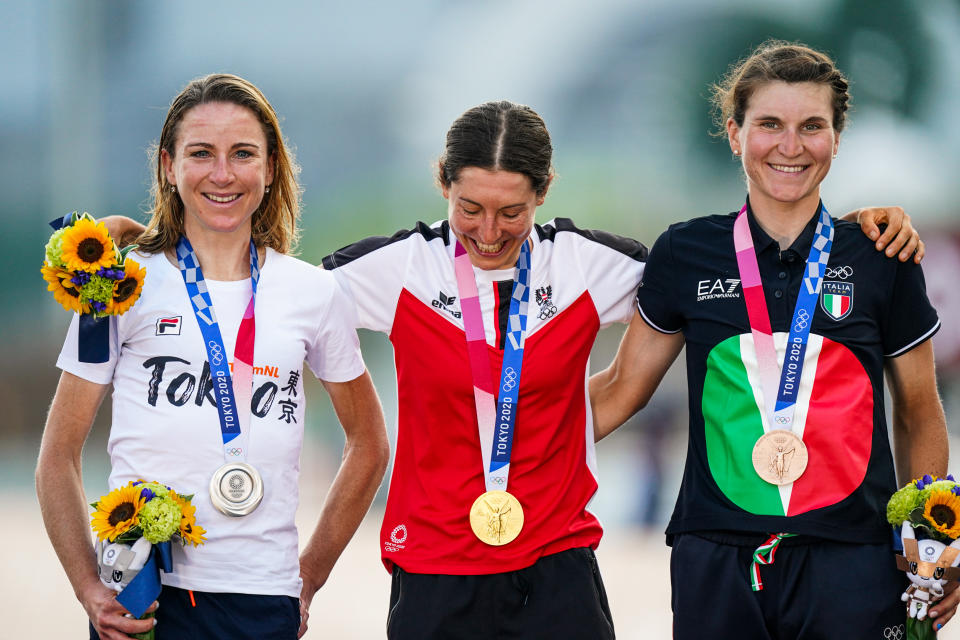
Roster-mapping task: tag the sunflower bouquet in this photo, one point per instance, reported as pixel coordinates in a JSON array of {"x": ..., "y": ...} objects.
[
  {"x": 87, "y": 272},
  {"x": 135, "y": 525},
  {"x": 928, "y": 513}
]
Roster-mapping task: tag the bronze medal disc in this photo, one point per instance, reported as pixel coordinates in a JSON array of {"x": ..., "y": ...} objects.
[
  {"x": 496, "y": 517},
  {"x": 780, "y": 457}
]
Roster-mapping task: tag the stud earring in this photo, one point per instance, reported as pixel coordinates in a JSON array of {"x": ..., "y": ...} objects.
[
  {"x": 266, "y": 189},
  {"x": 736, "y": 154},
  {"x": 173, "y": 188}
]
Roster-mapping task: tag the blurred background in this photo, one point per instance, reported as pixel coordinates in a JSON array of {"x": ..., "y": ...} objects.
[{"x": 366, "y": 91}]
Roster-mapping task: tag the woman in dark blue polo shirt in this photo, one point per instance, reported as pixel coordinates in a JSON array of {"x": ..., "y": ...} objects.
[{"x": 790, "y": 319}]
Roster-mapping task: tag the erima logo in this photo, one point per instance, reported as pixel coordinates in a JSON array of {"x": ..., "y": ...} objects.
[
  {"x": 719, "y": 288},
  {"x": 169, "y": 326},
  {"x": 444, "y": 302}
]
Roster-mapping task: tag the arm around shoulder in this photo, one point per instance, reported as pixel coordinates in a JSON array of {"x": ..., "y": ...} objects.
[{"x": 625, "y": 387}]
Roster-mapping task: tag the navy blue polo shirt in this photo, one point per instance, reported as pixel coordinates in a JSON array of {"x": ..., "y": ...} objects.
[{"x": 870, "y": 308}]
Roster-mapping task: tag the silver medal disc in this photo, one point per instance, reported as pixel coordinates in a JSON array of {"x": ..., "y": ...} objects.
[{"x": 236, "y": 489}]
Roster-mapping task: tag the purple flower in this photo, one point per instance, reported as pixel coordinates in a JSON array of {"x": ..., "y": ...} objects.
[
  {"x": 146, "y": 493},
  {"x": 927, "y": 479},
  {"x": 955, "y": 491},
  {"x": 98, "y": 306},
  {"x": 112, "y": 274},
  {"x": 950, "y": 477},
  {"x": 80, "y": 278},
  {"x": 919, "y": 484}
]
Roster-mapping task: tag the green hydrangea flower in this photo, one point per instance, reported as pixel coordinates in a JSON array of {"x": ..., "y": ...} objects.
[
  {"x": 54, "y": 248},
  {"x": 160, "y": 519},
  {"x": 157, "y": 488},
  {"x": 902, "y": 503}
]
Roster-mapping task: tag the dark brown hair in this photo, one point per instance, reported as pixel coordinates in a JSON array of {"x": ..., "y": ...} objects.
[
  {"x": 772, "y": 61},
  {"x": 499, "y": 135},
  {"x": 274, "y": 223}
]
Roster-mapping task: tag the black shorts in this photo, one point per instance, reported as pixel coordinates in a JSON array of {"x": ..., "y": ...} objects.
[
  {"x": 560, "y": 596},
  {"x": 815, "y": 589},
  {"x": 237, "y": 616}
]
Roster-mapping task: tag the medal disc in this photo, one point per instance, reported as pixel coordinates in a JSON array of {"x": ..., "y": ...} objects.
[
  {"x": 236, "y": 489},
  {"x": 496, "y": 517},
  {"x": 780, "y": 457}
]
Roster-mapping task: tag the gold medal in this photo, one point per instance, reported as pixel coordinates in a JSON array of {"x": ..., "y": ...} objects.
[
  {"x": 780, "y": 457},
  {"x": 496, "y": 517}
]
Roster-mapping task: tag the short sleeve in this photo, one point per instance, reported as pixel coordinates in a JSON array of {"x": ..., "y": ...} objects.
[
  {"x": 334, "y": 355},
  {"x": 612, "y": 268},
  {"x": 910, "y": 318},
  {"x": 371, "y": 273},
  {"x": 69, "y": 360},
  {"x": 656, "y": 299}
]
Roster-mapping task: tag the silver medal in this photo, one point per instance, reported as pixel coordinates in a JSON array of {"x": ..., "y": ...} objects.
[{"x": 236, "y": 489}]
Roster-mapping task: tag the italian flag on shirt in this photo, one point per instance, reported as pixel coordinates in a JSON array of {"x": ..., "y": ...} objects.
[
  {"x": 834, "y": 417},
  {"x": 836, "y": 305}
]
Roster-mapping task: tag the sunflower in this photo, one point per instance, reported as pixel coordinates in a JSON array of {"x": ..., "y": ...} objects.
[
  {"x": 86, "y": 246},
  {"x": 127, "y": 290},
  {"x": 942, "y": 511},
  {"x": 64, "y": 290},
  {"x": 116, "y": 512},
  {"x": 190, "y": 531}
]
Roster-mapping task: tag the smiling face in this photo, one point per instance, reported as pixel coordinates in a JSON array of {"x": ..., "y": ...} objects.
[
  {"x": 491, "y": 214},
  {"x": 787, "y": 142},
  {"x": 220, "y": 167}
]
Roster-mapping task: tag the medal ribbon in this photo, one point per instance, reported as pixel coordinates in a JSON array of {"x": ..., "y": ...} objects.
[
  {"x": 764, "y": 555},
  {"x": 786, "y": 403},
  {"x": 495, "y": 420},
  {"x": 232, "y": 393}
]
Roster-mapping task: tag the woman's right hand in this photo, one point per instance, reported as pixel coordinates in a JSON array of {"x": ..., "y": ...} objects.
[
  {"x": 110, "y": 618},
  {"x": 122, "y": 229}
]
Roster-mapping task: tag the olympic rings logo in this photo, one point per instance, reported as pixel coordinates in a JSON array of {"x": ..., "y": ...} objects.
[
  {"x": 843, "y": 272},
  {"x": 235, "y": 451},
  {"x": 509, "y": 379},
  {"x": 498, "y": 480},
  {"x": 894, "y": 633},
  {"x": 802, "y": 320},
  {"x": 216, "y": 352},
  {"x": 783, "y": 420}
]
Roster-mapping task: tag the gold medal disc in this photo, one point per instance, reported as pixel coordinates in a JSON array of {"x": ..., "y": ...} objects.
[
  {"x": 780, "y": 457},
  {"x": 496, "y": 517}
]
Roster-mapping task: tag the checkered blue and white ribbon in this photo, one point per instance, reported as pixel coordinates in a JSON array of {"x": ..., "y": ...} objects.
[
  {"x": 495, "y": 423},
  {"x": 231, "y": 392},
  {"x": 802, "y": 322}
]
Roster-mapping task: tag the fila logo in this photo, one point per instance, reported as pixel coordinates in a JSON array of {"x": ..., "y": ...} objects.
[
  {"x": 169, "y": 325},
  {"x": 444, "y": 302},
  {"x": 718, "y": 288}
]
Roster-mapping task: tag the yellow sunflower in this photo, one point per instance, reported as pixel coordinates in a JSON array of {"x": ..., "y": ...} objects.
[
  {"x": 127, "y": 291},
  {"x": 87, "y": 246},
  {"x": 64, "y": 290},
  {"x": 943, "y": 512},
  {"x": 190, "y": 531},
  {"x": 116, "y": 512}
]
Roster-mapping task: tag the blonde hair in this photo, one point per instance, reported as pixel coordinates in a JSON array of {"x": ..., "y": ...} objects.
[{"x": 274, "y": 223}]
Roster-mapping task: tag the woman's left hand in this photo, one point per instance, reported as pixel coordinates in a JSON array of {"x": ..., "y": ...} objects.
[
  {"x": 307, "y": 592},
  {"x": 898, "y": 236},
  {"x": 944, "y": 609}
]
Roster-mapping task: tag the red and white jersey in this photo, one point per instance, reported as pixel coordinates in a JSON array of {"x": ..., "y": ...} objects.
[{"x": 405, "y": 286}]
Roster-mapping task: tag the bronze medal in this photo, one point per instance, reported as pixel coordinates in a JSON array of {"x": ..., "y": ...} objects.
[
  {"x": 496, "y": 517},
  {"x": 780, "y": 457}
]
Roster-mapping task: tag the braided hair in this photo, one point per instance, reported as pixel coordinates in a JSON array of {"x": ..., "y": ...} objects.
[{"x": 777, "y": 60}]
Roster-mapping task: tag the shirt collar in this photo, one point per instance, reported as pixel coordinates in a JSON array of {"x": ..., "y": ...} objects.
[{"x": 762, "y": 241}]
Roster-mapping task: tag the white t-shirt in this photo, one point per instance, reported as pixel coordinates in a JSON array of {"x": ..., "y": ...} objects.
[{"x": 165, "y": 424}]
